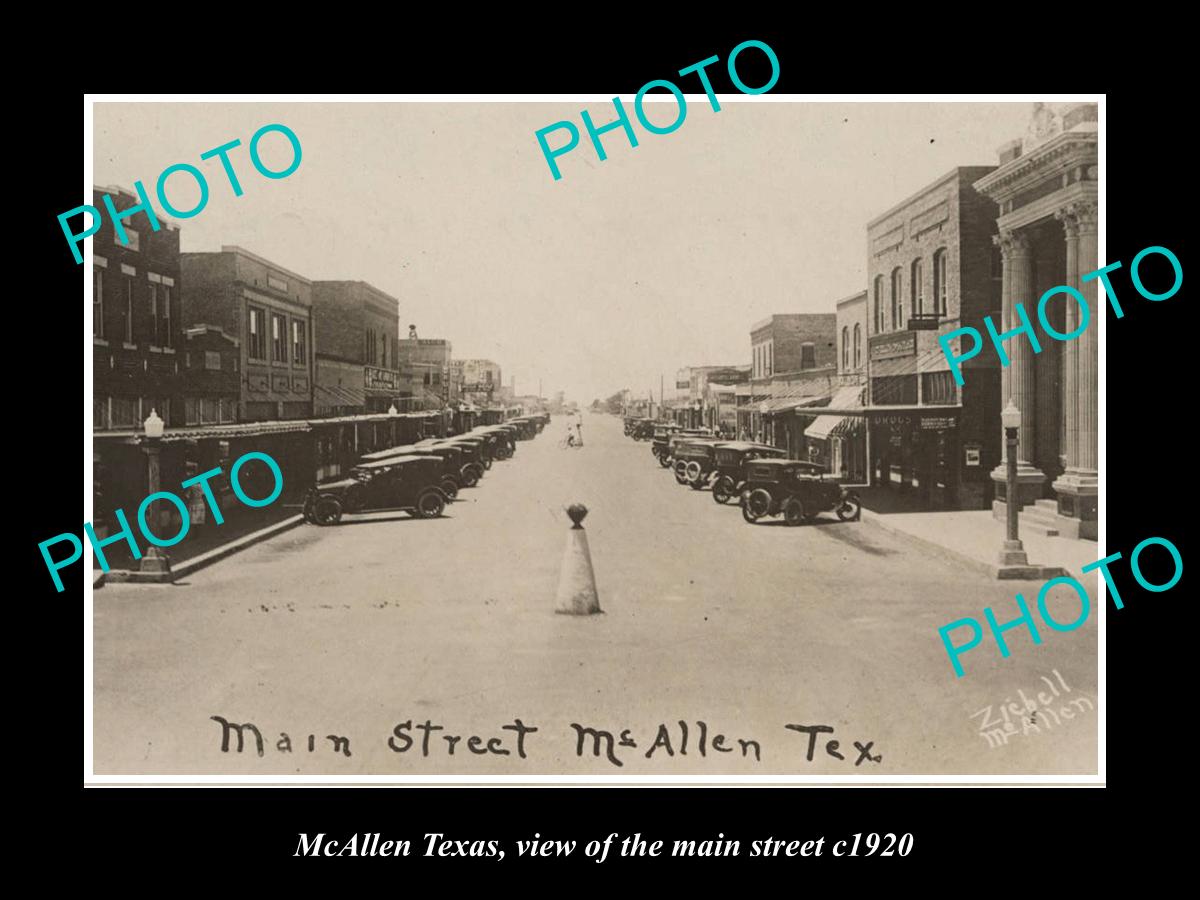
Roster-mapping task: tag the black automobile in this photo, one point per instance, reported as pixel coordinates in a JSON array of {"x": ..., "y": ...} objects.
[
  {"x": 471, "y": 467},
  {"x": 409, "y": 483},
  {"x": 729, "y": 462},
  {"x": 658, "y": 446},
  {"x": 452, "y": 463},
  {"x": 502, "y": 439},
  {"x": 799, "y": 491},
  {"x": 476, "y": 449},
  {"x": 695, "y": 461},
  {"x": 673, "y": 439}
]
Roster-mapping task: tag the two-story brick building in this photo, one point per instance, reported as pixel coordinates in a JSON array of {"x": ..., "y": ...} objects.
[
  {"x": 793, "y": 364},
  {"x": 137, "y": 321},
  {"x": 932, "y": 268},
  {"x": 357, "y": 358},
  {"x": 268, "y": 309}
]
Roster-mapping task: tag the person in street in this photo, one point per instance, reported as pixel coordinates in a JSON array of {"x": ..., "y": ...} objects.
[{"x": 579, "y": 432}]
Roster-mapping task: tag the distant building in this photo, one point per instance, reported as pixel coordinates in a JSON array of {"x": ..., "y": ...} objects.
[
  {"x": 269, "y": 310},
  {"x": 425, "y": 373},
  {"x": 357, "y": 368},
  {"x": 479, "y": 379},
  {"x": 793, "y": 365}
]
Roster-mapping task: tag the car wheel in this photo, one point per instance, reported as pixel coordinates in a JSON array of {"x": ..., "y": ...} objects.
[
  {"x": 450, "y": 488},
  {"x": 793, "y": 512},
  {"x": 759, "y": 503},
  {"x": 850, "y": 508},
  {"x": 722, "y": 490},
  {"x": 487, "y": 462},
  {"x": 681, "y": 472},
  {"x": 664, "y": 460},
  {"x": 692, "y": 472},
  {"x": 327, "y": 511},
  {"x": 430, "y": 504},
  {"x": 747, "y": 513},
  {"x": 470, "y": 476}
]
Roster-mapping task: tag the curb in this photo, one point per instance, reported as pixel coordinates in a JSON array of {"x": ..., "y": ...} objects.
[
  {"x": 98, "y": 578},
  {"x": 188, "y": 566},
  {"x": 991, "y": 570},
  {"x": 196, "y": 563}
]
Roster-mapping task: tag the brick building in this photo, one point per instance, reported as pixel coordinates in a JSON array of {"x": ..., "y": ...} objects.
[
  {"x": 932, "y": 268},
  {"x": 268, "y": 309},
  {"x": 137, "y": 321},
  {"x": 793, "y": 364},
  {"x": 211, "y": 374},
  {"x": 839, "y": 441},
  {"x": 357, "y": 357}
]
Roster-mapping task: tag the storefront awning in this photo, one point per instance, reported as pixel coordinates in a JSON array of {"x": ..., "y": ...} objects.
[{"x": 825, "y": 427}]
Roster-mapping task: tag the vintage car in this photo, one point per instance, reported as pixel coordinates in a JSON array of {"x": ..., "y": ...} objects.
[
  {"x": 643, "y": 430},
  {"x": 658, "y": 444},
  {"x": 476, "y": 448},
  {"x": 471, "y": 467},
  {"x": 730, "y": 461},
  {"x": 409, "y": 483},
  {"x": 695, "y": 461},
  {"x": 500, "y": 440},
  {"x": 452, "y": 475},
  {"x": 683, "y": 434},
  {"x": 797, "y": 490}
]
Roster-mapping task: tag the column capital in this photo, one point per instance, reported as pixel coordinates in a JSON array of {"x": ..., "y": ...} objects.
[
  {"x": 1012, "y": 243},
  {"x": 1079, "y": 217}
]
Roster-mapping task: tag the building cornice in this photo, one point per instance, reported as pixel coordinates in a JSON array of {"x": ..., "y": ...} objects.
[{"x": 1056, "y": 155}]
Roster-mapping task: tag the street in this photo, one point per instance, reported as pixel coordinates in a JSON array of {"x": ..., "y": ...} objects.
[{"x": 351, "y": 631}]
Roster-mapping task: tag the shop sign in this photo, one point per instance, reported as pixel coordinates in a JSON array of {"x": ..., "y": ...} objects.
[
  {"x": 376, "y": 379},
  {"x": 936, "y": 423},
  {"x": 973, "y": 453},
  {"x": 893, "y": 346}
]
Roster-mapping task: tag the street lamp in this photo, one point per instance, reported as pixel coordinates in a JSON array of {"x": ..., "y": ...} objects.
[
  {"x": 155, "y": 563},
  {"x": 1013, "y": 553}
]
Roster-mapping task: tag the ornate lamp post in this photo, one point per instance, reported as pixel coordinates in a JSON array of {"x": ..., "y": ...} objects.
[
  {"x": 155, "y": 562},
  {"x": 1013, "y": 553}
]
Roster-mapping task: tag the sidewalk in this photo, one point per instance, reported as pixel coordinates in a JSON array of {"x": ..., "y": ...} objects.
[
  {"x": 973, "y": 537},
  {"x": 206, "y": 544}
]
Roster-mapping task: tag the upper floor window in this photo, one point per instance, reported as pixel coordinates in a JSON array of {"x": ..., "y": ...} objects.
[
  {"x": 897, "y": 300},
  {"x": 256, "y": 346},
  {"x": 857, "y": 346},
  {"x": 845, "y": 347},
  {"x": 128, "y": 310},
  {"x": 878, "y": 304},
  {"x": 918, "y": 287},
  {"x": 939, "y": 281},
  {"x": 771, "y": 358},
  {"x": 165, "y": 338},
  {"x": 131, "y": 235},
  {"x": 278, "y": 338},
  {"x": 299, "y": 342},
  {"x": 98, "y": 302},
  {"x": 808, "y": 355},
  {"x": 383, "y": 348}
]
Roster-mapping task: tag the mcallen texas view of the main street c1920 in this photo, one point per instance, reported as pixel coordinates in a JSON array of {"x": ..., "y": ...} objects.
[{"x": 656, "y": 469}]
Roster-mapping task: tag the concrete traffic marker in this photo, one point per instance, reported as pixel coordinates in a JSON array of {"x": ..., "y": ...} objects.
[{"x": 577, "y": 582}]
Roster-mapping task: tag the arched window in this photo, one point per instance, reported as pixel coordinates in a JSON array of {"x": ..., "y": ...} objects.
[
  {"x": 897, "y": 300},
  {"x": 918, "y": 287},
  {"x": 878, "y": 304},
  {"x": 857, "y": 346},
  {"x": 845, "y": 347},
  {"x": 939, "y": 281}
]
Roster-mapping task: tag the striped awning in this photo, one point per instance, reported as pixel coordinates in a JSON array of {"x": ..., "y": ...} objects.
[
  {"x": 336, "y": 395},
  {"x": 825, "y": 427}
]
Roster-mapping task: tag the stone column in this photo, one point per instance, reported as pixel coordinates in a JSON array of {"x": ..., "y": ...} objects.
[
  {"x": 1018, "y": 378},
  {"x": 1078, "y": 487}
]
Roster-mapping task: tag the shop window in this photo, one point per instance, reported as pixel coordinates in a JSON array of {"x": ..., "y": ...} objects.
[
  {"x": 191, "y": 411},
  {"x": 938, "y": 388},
  {"x": 100, "y": 412},
  {"x": 125, "y": 412}
]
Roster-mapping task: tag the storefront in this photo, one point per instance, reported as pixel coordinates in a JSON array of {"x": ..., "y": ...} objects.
[{"x": 838, "y": 440}]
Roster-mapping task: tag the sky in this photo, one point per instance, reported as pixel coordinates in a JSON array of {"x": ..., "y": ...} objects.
[{"x": 624, "y": 270}]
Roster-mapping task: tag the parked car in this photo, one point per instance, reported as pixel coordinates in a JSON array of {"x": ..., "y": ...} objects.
[
  {"x": 642, "y": 430},
  {"x": 658, "y": 446},
  {"x": 471, "y": 465},
  {"x": 475, "y": 449},
  {"x": 452, "y": 463},
  {"x": 797, "y": 490},
  {"x": 730, "y": 460},
  {"x": 674, "y": 438},
  {"x": 409, "y": 483},
  {"x": 695, "y": 461}
]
